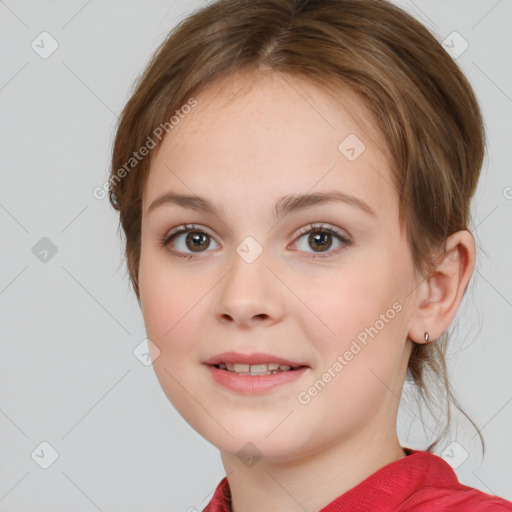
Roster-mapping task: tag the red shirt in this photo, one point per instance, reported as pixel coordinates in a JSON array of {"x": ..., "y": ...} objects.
[{"x": 419, "y": 482}]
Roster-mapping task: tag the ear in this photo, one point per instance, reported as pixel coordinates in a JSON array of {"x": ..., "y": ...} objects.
[{"x": 440, "y": 294}]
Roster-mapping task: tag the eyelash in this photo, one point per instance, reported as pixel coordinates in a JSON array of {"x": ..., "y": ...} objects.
[{"x": 168, "y": 237}]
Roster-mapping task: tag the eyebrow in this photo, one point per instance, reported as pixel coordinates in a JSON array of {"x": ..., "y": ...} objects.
[{"x": 284, "y": 206}]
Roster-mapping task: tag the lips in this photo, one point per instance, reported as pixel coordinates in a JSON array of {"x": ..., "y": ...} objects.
[
  {"x": 249, "y": 383},
  {"x": 253, "y": 358}
]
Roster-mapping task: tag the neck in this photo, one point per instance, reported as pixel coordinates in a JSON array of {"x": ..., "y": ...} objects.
[{"x": 312, "y": 481}]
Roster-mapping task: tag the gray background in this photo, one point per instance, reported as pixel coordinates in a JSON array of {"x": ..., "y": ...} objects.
[{"x": 68, "y": 375}]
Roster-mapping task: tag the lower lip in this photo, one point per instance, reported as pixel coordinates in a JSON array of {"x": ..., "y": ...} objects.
[{"x": 253, "y": 383}]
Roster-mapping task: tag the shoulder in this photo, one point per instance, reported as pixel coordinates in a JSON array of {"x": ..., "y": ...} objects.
[
  {"x": 465, "y": 499},
  {"x": 450, "y": 495}
]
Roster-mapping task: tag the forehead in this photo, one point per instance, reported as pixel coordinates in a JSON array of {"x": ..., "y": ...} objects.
[{"x": 269, "y": 135}]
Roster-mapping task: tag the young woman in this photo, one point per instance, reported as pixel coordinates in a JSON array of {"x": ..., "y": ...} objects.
[{"x": 294, "y": 180}]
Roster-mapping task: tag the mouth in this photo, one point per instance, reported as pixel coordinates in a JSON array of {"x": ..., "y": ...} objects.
[
  {"x": 256, "y": 369},
  {"x": 254, "y": 373},
  {"x": 257, "y": 363}
]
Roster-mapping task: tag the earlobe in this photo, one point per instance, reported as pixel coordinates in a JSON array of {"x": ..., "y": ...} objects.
[{"x": 442, "y": 291}]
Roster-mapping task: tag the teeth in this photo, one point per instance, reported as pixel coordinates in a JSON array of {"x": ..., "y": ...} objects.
[{"x": 255, "y": 369}]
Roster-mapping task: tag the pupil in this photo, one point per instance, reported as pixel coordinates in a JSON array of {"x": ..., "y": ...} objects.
[
  {"x": 196, "y": 239},
  {"x": 318, "y": 238}
]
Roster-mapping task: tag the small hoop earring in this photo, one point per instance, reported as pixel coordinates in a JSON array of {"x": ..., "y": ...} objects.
[{"x": 426, "y": 334}]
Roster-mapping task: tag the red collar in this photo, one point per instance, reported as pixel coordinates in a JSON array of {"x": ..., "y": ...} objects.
[{"x": 419, "y": 482}]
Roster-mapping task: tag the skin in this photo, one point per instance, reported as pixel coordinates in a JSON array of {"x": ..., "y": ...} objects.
[{"x": 245, "y": 151}]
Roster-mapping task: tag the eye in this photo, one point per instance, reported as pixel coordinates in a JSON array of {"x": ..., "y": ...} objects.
[
  {"x": 320, "y": 238},
  {"x": 196, "y": 240}
]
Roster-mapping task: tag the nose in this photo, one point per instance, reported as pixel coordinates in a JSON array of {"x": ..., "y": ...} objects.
[{"x": 249, "y": 294}]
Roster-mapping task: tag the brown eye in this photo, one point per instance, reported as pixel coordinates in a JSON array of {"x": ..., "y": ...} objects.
[
  {"x": 187, "y": 241},
  {"x": 196, "y": 241},
  {"x": 320, "y": 238}
]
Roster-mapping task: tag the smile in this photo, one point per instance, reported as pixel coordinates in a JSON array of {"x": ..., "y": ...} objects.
[
  {"x": 254, "y": 379},
  {"x": 255, "y": 369}
]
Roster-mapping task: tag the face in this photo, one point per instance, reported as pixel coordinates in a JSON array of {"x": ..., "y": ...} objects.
[{"x": 324, "y": 285}]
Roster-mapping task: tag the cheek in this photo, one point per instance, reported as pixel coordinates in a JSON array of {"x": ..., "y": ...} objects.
[
  {"x": 173, "y": 311},
  {"x": 362, "y": 302},
  {"x": 170, "y": 303},
  {"x": 359, "y": 341},
  {"x": 348, "y": 296}
]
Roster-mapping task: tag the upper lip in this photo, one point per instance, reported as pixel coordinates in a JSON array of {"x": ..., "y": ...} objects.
[{"x": 253, "y": 358}]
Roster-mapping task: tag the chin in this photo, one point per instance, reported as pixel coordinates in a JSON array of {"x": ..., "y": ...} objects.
[
  {"x": 254, "y": 440},
  {"x": 250, "y": 451}
]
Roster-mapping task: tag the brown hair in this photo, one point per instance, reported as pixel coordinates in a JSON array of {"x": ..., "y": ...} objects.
[{"x": 423, "y": 106}]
